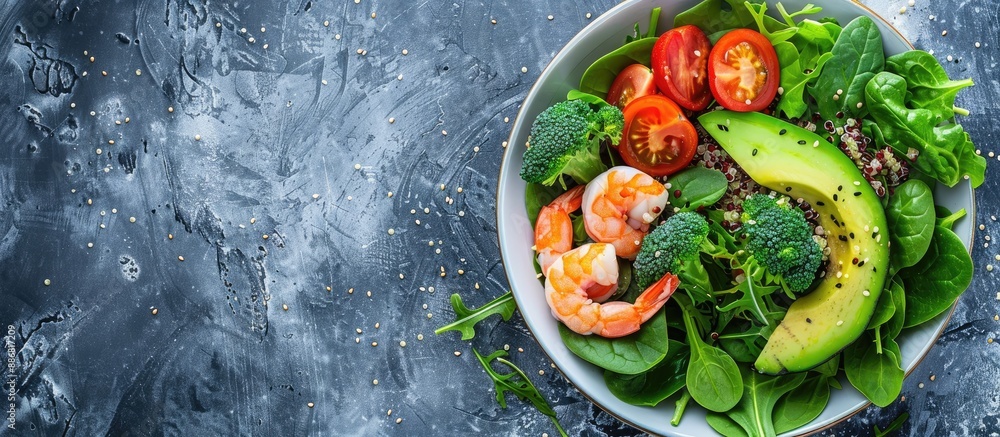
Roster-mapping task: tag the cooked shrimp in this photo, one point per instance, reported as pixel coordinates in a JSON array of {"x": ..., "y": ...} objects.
[
  {"x": 587, "y": 275},
  {"x": 619, "y": 205},
  {"x": 554, "y": 229}
]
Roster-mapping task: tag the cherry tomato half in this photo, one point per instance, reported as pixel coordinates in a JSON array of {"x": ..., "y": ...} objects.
[
  {"x": 633, "y": 82},
  {"x": 680, "y": 66},
  {"x": 658, "y": 139},
  {"x": 743, "y": 70}
]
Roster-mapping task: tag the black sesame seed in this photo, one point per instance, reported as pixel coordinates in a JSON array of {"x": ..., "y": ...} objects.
[{"x": 723, "y": 127}]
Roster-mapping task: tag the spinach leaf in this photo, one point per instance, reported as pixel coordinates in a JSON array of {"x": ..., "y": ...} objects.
[
  {"x": 895, "y": 325},
  {"x": 910, "y": 216},
  {"x": 629, "y": 355},
  {"x": 599, "y": 76},
  {"x": 716, "y": 15},
  {"x": 944, "y": 152},
  {"x": 885, "y": 308},
  {"x": 876, "y": 375},
  {"x": 802, "y": 404},
  {"x": 857, "y": 57},
  {"x": 946, "y": 218},
  {"x": 536, "y": 196},
  {"x": 745, "y": 341},
  {"x": 466, "y": 318},
  {"x": 713, "y": 379},
  {"x": 760, "y": 393},
  {"x": 696, "y": 187},
  {"x": 654, "y": 386},
  {"x": 927, "y": 84},
  {"x": 589, "y": 98},
  {"x": 516, "y": 383},
  {"x": 933, "y": 284},
  {"x": 679, "y": 408}
]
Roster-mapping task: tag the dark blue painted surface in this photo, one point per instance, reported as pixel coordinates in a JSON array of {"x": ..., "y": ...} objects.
[{"x": 281, "y": 129}]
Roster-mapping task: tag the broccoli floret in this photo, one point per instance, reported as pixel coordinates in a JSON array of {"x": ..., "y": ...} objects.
[
  {"x": 566, "y": 140},
  {"x": 781, "y": 240},
  {"x": 668, "y": 248}
]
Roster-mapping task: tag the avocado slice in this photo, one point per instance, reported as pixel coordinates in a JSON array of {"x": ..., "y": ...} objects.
[{"x": 794, "y": 161}]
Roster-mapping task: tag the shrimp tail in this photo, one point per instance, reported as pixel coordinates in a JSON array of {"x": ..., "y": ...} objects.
[
  {"x": 656, "y": 295},
  {"x": 554, "y": 229},
  {"x": 621, "y": 319}
]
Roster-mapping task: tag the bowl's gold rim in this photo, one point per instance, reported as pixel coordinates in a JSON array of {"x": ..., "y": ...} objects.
[{"x": 510, "y": 139}]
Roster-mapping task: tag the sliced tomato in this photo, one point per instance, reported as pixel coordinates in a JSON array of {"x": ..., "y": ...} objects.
[
  {"x": 633, "y": 82},
  {"x": 743, "y": 70},
  {"x": 680, "y": 66},
  {"x": 658, "y": 139}
]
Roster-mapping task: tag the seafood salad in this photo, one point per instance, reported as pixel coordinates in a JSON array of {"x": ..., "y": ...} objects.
[{"x": 739, "y": 210}]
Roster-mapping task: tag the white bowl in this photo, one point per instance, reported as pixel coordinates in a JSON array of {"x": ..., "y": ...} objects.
[{"x": 563, "y": 73}]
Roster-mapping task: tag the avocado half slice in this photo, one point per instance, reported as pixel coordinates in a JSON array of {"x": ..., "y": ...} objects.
[{"x": 796, "y": 162}]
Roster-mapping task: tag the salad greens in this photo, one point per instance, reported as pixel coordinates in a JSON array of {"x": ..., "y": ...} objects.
[
  {"x": 910, "y": 214},
  {"x": 516, "y": 383},
  {"x": 944, "y": 152},
  {"x": 895, "y": 118},
  {"x": 629, "y": 355},
  {"x": 857, "y": 57},
  {"x": 466, "y": 319}
]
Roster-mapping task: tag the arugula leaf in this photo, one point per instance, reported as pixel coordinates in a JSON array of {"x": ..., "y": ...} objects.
[
  {"x": 781, "y": 32},
  {"x": 794, "y": 78},
  {"x": 944, "y": 152},
  {"x": 516, "y": 383},
  {"x": 654, "y": 19},
  {"x": 895, "y": 425},
  {"x": 713, "y": 16},
  {"x": 466, "y": 319},
  {"x": 754, "y": 411},
  {"x": 857, "y": 57}
]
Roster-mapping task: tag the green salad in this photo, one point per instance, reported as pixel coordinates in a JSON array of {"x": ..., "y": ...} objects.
[{"x": 776, "y": 176}]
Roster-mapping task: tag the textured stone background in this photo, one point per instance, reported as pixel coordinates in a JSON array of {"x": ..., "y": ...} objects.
[{"x": 302, "y": 140}]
